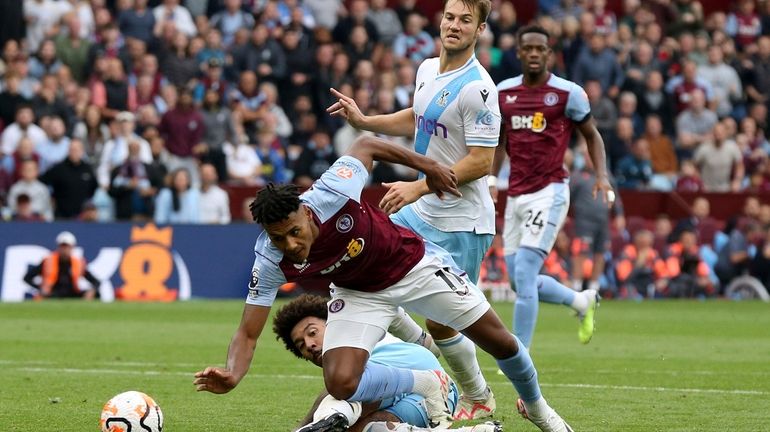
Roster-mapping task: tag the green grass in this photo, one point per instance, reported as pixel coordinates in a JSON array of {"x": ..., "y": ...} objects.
[{"x": 667, "y": 366}]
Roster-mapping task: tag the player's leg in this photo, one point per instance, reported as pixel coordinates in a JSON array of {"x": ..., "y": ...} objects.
[
  {"x": 490, "y": 334},
  {"x": 406, "y": 328},
  {"x": 450, "y": 299},
  {"x": 356, "y": 322},
  {"x": 459, "y": 352}
]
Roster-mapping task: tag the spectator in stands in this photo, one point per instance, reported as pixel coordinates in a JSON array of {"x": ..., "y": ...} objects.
[
  {"x": 114, "y": 93},
  {"x": 414, "y": 44},
  {"x": 689, "y": 179},
  {"x": 61, "y": 271},
  {"x": 358, "y": 16},
  {"x": 23, "y": 126},
  {"x": 620, "y": 142},
  {"x": 214, "y": 202},
  {"x": 640, "y": 270},
  {"x": 724, "y": 81},
  {"x": 634, "y": 171},
  {"x": 247, "y": 102},
  {"x": 73, "y": 49},
  {"x": 116, "y": 150},
  {"x": 652, "y": 99},
  {"x": 137, "y": 22},
  {"x": 270, "y": 151},
  {"x": 179, "y": 202},
  {"x": 171, "y": 12},
  {"x": 662, "y": 156},
  {"x": 315, "y": 159},
  {"x": 72, "y": 182},
  {"x": 24, "y": 211},
  {"x": 108, "y": 46},
  {"x": 300, "y": 63},
  {"x": 48, "y": 103},
  {"x": 641, "y": 62},
  {"x": 627, "y": 108},
  {"x": 263, "y": 55},
  {"x": 25, "y": 151},
  {"x": 45, "y": 62},
  {"x": 721, "y": 162},
  {"x": 92, "y": 132},
  {"x": 682, "y": 86},
  {"x": 133, "y": 186},
  {"x": 230, "y": 20},
  {"x": 734, "y": 257},
  {"x": 694, "y": 125},
  {"x": 599, "y": 63},
  {"x": 30, "y": 185},
  {"x": 56, "y": 147},
  {"x": 386, "y": 21},
  {"x": 744, "y": 24},
  {"x": 243, "y": 164},
  {"x": 662, "y": 229},
  {"x": 603, "y": 110},
  {"x": 688, "y": 273},
  {"x": 41, "y": 17},
  {"x": 283, "y": 127},
  {"x": 178, "y": 64},
  {"x": 183, "y": 129},
  {"x": 11, "y": 99},
  {"x": 219, "y": 130}
]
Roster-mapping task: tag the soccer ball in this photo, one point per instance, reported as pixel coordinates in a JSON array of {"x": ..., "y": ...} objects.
[{"x": 131, "y": 411}]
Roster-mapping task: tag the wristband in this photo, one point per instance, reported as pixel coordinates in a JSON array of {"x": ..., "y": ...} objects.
[{"x": 491, "y": 181}]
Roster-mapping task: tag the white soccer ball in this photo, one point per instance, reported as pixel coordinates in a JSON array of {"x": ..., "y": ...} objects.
[{"x": 131, "y": 411}]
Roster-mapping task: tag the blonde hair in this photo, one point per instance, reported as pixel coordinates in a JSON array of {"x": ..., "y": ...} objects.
[{"x": 483, "y": 7}]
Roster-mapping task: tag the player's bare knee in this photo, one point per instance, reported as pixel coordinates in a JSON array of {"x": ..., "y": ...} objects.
[
  {"x": 341, "y": 384},
  {"x": 439, "y": 331}
]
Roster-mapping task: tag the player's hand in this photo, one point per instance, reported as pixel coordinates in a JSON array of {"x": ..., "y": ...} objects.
[
  {"x": 346, "y": 107},
  {"x": 400, "y": 194},
  {"x": 441, "y": 179},
  {"x": 603, "y": 189},
  {"x": 215, "y": 380}
]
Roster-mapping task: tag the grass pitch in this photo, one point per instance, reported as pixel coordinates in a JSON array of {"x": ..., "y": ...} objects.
[{"x": 653, "y": 366}]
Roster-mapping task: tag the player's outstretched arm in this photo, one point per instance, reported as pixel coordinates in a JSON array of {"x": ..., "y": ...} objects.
[
  {"x": 222, "y": 380},
  {"x": 595, "y": 145},
  {"x": 439, "y": 178},
  {"x": 399, "y": 123}
]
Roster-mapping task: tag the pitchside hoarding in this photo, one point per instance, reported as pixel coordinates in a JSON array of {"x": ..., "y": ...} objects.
[{"x": 137, "y": 262}]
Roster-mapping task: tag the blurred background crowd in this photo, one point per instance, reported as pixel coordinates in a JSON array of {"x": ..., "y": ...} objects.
[{"x": 140, "y": 110}]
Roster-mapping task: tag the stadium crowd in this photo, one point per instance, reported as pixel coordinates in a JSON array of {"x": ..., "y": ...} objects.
[{"x": 140, "y": 109}]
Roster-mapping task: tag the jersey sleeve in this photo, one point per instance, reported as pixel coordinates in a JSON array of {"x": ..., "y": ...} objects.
[
  {"x": 347, "y": 177},
  {"x": 480, "y": 112},
  {"x": 265, "y": 278},
  {"x": 578, "y": 109}
]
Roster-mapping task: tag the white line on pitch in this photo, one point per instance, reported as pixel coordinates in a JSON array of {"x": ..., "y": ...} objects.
[{"x": 318, "y": 377}]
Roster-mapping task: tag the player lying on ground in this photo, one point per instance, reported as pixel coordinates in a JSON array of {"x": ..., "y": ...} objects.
[
  {"x": 374, "y": 265},
  {"x": 301, "y": 325}
]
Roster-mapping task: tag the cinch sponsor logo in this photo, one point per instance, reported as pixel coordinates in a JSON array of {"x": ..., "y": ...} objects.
[
  {"x": 536, "y": 122},
  {"x": 430, "y": 126}
]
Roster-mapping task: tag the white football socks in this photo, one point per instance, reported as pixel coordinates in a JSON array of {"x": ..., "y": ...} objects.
[
  {"x": 329, "y": 405},
  {"x": 460, "y": 355}
]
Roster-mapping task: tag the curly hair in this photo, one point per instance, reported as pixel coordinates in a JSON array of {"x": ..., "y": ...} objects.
[
  {"x": 295, "y": 311},
  {"x": 274, "y": 203}
]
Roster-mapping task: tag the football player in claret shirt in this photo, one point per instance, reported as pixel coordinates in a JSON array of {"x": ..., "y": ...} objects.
[
  {"x": 540, "y": 111},
  {"x": 455, "y": 120},
  {"x": 374, "y": 266}
]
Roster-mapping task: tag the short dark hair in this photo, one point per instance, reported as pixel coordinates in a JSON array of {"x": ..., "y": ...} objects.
[
  {"x": 274, "y": 203},
  {"x": 532, "y": 28},
  {"x": 292, "y": 313}
]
